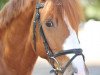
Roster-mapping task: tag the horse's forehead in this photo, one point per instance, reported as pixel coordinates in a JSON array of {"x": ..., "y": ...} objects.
[
  {"x": 58, "y": 2},
  {"x": 67, "y": 22},
  {"x": 54, "y": 2},
  {"x": 53, "y": 7}
]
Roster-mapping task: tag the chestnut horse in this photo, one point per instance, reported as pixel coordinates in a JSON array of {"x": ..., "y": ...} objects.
[{"x": 59, "y": 20}]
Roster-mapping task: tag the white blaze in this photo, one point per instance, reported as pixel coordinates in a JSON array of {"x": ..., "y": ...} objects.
[{"x": 72, "y": 42}]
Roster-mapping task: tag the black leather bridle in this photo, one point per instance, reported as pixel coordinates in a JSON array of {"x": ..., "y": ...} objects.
[{"x": 52, "y": 56}]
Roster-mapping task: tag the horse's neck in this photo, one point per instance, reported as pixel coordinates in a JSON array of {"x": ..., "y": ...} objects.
[
  {"x": 15, "y": 22},
  {"x": 16, "y": 16},
  {"x": 16, "y": 10}
]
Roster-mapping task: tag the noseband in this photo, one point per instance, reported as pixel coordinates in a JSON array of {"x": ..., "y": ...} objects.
[{"x": 52, "y": 56}]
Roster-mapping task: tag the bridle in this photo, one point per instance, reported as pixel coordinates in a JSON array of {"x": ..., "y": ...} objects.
[{"x": 52, "y": 56}]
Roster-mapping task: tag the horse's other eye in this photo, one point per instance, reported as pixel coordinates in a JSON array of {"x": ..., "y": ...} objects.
[{"x": 49, "y": 23}]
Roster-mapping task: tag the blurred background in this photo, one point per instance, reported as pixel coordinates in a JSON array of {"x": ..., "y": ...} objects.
[
  {"x": 89, "y": 35},
  {"x": 91, "y": 9}
]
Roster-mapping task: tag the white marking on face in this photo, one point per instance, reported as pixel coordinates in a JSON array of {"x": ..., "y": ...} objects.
[{"x": 72, "y": 42}]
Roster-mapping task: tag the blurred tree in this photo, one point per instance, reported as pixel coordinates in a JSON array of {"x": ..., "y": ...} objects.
[
  {"x": 92, "y": 9},
  {"x": 2, "y": 2}
]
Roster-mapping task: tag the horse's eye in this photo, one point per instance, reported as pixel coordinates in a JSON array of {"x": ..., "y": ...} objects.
[{"x": 49, "y": 23}]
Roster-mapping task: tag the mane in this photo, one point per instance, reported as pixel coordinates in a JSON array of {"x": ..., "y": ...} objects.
[
  {"x": 72, "y": 9},
  {"x": 12, "y": 10}
]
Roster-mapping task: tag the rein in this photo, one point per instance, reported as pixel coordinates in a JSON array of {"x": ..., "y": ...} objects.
[{"x": 52, "y": 56}]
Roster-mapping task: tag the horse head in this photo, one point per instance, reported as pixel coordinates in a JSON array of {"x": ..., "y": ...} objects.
[{"x": 55, "y": 37}]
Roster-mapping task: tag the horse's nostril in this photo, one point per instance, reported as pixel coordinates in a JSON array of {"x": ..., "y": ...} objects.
[{"x": 72, "y": 73}]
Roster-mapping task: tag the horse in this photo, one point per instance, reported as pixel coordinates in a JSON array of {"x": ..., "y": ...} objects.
[
  {"x": 16, "y": 52},
  {"x": 19, "y": 50},
  {"x": 55, "y": 34}
]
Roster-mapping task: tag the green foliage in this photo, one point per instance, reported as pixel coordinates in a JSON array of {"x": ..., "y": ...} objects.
[
  {"x": 2, "y": 2},
  {"x": 92, "y": 9}
]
